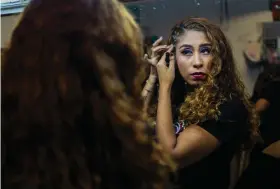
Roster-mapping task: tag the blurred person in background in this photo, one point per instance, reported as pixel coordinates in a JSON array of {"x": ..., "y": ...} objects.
[
  {"x": 264, "y": 168},
  {"x": 71, "y": 106}
]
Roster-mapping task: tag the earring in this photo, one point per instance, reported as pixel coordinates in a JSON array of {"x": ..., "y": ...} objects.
[{"x": 186, "y": 86}]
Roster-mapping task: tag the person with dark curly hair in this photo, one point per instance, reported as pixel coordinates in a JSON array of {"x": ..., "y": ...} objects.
[
  {"x": 203, "y": 115},
  {"x": 71, "y": 108}
]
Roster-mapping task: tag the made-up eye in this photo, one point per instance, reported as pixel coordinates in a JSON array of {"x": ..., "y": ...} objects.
[
  {"x": 205, "y": 50},
  {"x": 187, "y": 52}
]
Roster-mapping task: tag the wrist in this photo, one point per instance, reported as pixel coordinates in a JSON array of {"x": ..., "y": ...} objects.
[
  {"x": 165, "y": 88},
  {"x": 150, "y": 84},
  {"x": 152, "y": 79}
]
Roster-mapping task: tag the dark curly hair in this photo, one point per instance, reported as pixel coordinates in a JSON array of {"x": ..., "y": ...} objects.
[{"x": 71, "y": 109}]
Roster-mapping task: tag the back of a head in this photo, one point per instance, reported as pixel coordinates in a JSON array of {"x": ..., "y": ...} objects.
[{"x": 71, "y": 109}]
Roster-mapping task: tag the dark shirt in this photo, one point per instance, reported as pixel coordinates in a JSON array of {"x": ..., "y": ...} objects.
[
  {"x": 270, "y": 118},
  {"x": 213, "y": 171}
]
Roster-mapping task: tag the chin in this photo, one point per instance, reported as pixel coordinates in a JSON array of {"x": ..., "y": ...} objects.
[{"x": 195, "y": 83}]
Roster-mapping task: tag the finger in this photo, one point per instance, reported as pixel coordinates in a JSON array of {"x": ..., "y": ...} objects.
[
  {"x": 170, "y": 48},
  {"x": 146, "y": 57},
  {"x": 157, "y": 42},
  {"x": 162, "y": 60},
  {"x": 159, "y": 48},
  {"x": 154, "y": 61}
]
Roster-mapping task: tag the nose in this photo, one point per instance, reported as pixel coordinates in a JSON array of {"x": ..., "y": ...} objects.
[{"x": 197, "y": 61}]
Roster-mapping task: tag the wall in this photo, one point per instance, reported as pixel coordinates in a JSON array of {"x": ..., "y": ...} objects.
[
  {"x": 7, "y": 25},
  {"x": 158, "y": 16},
  {"x": 240, "y": 30}
]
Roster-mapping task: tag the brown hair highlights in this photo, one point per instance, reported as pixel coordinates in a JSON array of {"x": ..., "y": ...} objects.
[
  {"x": 72, "y": 114},
  {"x": 223, "y": 81}
]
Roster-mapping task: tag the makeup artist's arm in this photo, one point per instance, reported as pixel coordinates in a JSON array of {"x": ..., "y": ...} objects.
[{"x": 148, "y": 91}]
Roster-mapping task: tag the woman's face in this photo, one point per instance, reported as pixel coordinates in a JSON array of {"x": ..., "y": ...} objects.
[{"x": 194, "y": 58}]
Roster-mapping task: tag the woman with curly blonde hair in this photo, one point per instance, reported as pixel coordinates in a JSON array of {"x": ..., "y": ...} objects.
[
  {"x": 203, "y": 114},
  {"x": 71, "y": 108}
]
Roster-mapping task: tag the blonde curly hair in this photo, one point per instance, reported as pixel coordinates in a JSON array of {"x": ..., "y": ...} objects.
[{"x": 222, "y": 84}]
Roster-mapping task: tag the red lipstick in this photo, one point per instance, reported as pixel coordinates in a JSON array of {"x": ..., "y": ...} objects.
[{"x": 198, "y": 75}]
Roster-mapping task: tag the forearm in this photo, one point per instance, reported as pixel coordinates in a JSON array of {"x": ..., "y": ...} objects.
[
  {"x": 147, "y": 91},
  {"x": 164, "y": 127}
]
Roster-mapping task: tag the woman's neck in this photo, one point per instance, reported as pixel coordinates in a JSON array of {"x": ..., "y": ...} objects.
[{"x": 189, "y": 88}]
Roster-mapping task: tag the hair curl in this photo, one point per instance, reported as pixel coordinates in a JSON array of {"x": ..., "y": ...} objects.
[
  {"x": 72, "y": 114},
  {"x": 222, "y": 84}
]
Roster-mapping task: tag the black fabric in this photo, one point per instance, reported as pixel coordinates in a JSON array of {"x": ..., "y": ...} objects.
[
  {"x": 270, "y": 73},
  {"x": 262, "y": 173},
  {"x": 214, "y": 170},
  {"x": 270, "y": 118},
  {"x": 228, "y": 126},
  {"x": 271, "y": 91},
  {"x": 262, "y": 80}
]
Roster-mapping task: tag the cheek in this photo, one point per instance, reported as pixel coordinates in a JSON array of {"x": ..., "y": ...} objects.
[
  {"x": 208, "y": 62},
  {"x": 183, "y": 65}
]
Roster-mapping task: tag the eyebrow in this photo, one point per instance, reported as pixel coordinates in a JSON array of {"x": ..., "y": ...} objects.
[{"x": 201, "y": 45}]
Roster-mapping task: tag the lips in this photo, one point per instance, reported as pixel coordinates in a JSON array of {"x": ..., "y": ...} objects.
[{"x": 198, "y": 75}]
